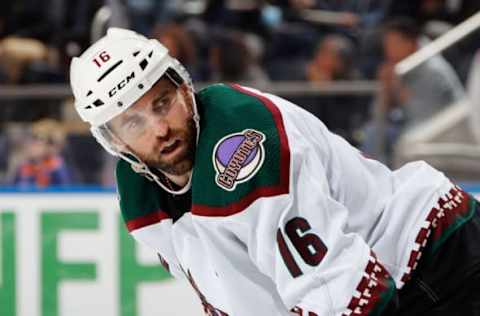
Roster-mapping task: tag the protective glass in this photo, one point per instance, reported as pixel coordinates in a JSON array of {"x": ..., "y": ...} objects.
[{"x": 137, "y": 120}]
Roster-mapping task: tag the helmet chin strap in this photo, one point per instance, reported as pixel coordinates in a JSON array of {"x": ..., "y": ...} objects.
[
  {"x": 195, "y": 116},
  {"x": 141, "y": 167}
]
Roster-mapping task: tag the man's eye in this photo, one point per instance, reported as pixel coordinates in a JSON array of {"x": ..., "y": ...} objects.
[
  {"x": 161, "y": 104},
  {"x": 131, "y": 125}
]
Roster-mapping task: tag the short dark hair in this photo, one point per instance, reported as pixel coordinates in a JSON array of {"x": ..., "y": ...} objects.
[{"x": 403, "y": 25}]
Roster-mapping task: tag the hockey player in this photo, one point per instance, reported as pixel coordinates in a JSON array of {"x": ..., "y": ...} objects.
[{"x": 261, "y": 208}]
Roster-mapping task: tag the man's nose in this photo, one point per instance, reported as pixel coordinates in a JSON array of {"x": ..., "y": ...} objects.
[{"x": 160, "y": 127}]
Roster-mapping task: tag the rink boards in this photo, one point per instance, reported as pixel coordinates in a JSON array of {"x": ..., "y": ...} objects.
[{"x": 68, "y": 253}]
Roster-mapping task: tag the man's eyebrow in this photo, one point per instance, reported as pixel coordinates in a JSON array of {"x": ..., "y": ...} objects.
[{"x": 128, "y": 118}]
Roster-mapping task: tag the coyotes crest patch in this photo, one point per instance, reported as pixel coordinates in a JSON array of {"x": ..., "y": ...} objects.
[{"x": 238, "y": 157}]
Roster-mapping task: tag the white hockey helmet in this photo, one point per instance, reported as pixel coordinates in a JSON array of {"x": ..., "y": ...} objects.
[{"x": 115, "y": 72}]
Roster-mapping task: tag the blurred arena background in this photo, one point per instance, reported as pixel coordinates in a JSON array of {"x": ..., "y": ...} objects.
[{"x": 398, "y": 79}]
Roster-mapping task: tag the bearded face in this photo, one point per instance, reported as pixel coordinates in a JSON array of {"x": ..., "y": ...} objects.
[
  {"x": 175, "y": 154},
  {"x": 159, "y": 128}
]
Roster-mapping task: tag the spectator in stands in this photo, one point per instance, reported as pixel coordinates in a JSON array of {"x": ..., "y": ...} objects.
[
  {"x": 16, "y": 54},
  {"x": 61, "y": 26},
  {"x": 241, "y": 15},
  {"x": 18, "y": 57},
  {"x": 332, "y": 60},
  {"x": 425, "y": 90},
  {"x": 420, "y": 94},
  {"x": 423, "y": 11},
  {"x": 43, "y": 164},
  {"x": 350, "y": 14},
  {"x": 233, "y": 58},
  {"x": 180, "y": 44}
]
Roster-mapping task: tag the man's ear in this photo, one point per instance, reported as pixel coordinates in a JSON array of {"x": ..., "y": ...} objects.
[
  {"x": 184, "y": 88},
  {"x": 188, "y": 96}
]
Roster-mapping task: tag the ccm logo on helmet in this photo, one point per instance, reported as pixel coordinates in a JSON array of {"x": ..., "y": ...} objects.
[{"x": 121, "y": 84}]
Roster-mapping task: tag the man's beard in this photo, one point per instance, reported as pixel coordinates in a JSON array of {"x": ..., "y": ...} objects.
[{"x": 183, "y": 162}]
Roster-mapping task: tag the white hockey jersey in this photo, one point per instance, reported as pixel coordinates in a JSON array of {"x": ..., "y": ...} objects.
[{"x": 286, "y": 218}]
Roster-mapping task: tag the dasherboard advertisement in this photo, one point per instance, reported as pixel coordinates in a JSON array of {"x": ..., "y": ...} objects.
[{"x": 69, "y": 254}]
